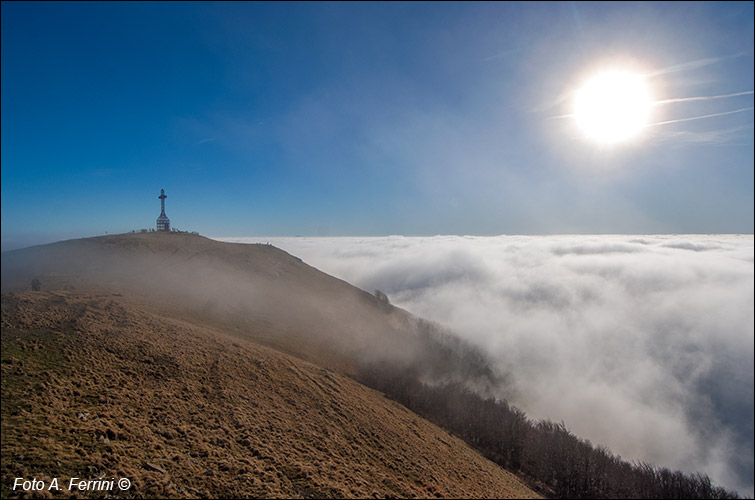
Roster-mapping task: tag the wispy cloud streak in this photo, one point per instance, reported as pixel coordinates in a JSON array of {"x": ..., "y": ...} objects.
[
  {"x": 500, "y": 55},
  {"x": 713, "y": 137},
  {"x": 696, "y": 64},
  {"x": 701, "y": 98},
  {"x": 692, "y": 118}
]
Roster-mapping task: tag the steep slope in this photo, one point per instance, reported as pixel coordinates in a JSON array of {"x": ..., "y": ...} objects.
[
  {"x": 95, "y": 385},
  {"x": 258, "y": 292}
]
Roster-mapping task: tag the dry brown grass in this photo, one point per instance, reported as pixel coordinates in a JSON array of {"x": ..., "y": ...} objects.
[{"x": 94, "y": 386}]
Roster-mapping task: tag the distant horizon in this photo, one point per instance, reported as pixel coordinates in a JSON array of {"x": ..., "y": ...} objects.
[{"x": 229, "y": 239}]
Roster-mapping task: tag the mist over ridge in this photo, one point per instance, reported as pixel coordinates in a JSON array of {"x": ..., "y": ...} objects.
[{"x": 641, "y": 343}]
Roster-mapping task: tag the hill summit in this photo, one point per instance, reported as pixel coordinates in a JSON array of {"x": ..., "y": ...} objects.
[{"x": 198, "y": 368}]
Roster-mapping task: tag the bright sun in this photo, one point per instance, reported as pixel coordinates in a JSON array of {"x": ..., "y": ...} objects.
[{"x": 612, "y": 106}]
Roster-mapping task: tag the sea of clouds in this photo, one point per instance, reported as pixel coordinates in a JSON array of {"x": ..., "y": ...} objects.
[{"x": 643, "y": 344}]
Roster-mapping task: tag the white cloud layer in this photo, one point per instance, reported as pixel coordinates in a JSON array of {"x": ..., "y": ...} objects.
[{"x": 640, "y": 343}]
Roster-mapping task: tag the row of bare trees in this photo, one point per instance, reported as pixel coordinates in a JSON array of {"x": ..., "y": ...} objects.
[{"x": 554, "y": 461}]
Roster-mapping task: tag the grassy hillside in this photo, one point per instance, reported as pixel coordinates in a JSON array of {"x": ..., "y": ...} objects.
[
  {"x": 143, "y": 357},
  {"x": 94, "y": 385},
  {"x": 256, "y": 292}
]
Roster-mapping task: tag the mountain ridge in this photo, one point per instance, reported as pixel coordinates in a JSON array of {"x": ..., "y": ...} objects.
[
  {"x": 99, "y": 293},
  {"x": 315, "y": 316}
]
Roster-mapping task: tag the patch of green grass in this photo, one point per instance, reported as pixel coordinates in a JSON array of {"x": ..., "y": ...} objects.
[{"x": 29, "y": 358}]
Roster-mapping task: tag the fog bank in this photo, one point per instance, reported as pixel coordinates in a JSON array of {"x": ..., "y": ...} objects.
[{"x": 641, "y": 343}]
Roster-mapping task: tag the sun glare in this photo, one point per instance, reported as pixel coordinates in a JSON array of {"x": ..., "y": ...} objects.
[{"x": 612, "y": 107}]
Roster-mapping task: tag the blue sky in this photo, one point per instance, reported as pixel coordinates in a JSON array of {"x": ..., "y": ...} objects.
[{"x": 368, "y": 118}]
